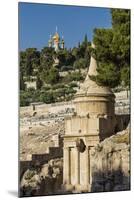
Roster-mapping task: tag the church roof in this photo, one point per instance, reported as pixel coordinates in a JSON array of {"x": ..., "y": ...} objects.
[{"x": 56, "y": 36}]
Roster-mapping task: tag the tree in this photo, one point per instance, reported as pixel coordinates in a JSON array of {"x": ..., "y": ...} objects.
[
  {"x": 47, "y": 97},
  {"x": 24, "y": 98},
  {"x": 76, "y": 52},
  {"x": 39, "y": 82},
  {"x": 61, "y": 54},
  {"x": 46, "y": 58},
  {"x": 81, "y": 63},
  {"x": 53, "y": 76},
  {"x": 113, "y": 49},
  {"x": 82, "y": 54},
  {"x": 22, "y": 61},
  {"x": 85, "y": 42},
  {"x": 108, "y": 75},
  {"x": 22, "y": 84},
  {"x": 69, "y": 58},
  {"x": 29, "y": 60},
  {"x": 125, "y": 76},
  {"x": 121, "y": 42}
]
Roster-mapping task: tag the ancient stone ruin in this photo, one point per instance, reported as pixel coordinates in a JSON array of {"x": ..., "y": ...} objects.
[{"x": 93, "y": 121}]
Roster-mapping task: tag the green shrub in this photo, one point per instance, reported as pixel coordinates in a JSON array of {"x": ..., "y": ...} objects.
[
  {"x": 47, "y": 97},
  {"x": 73, "y": 85}
]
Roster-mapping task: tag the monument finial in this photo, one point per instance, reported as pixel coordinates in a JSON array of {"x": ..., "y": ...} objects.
[
  {"x": 93, "y": 65},
  {"x": 90, "y": 86},
  {"x": 93, "y": 45}
]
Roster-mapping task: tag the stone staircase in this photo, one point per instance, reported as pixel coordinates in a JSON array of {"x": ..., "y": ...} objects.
[
  {"x": 36, "y": 160},
  {"x": 54, "y": 152}
]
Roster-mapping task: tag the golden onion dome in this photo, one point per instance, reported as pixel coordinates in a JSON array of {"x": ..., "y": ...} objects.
[{"x": 56, "y": 36}]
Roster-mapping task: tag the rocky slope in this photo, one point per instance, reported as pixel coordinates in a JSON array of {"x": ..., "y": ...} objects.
[
  {"x": 44, "y": 180},
  {"x": 36, "y": 139}
]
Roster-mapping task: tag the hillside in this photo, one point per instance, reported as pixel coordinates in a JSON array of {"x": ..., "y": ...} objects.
[{"x": 110, "y": 169}]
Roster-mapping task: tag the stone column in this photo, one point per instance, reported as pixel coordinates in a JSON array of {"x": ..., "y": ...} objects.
[
  {"x": 87, "y": 167},
  {"x": 77, "y": 166},
  {"x": 90, "y": 164},
  {"x": 66, "y": 166}
]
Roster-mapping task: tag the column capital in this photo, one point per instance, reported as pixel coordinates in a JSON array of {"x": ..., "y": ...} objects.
[{"x": 66, "y": 148}]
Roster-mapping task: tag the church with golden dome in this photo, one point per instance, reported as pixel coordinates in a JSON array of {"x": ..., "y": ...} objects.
[{"x": 56, "y": 42}]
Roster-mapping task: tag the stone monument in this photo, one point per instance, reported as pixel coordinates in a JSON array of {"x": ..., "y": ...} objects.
[{"x": 93, "y": 121}]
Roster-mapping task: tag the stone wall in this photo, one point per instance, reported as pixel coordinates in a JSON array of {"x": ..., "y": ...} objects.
[
  {"x": 42, "y": 109},
  {"x": 54, "y": 152},
  {"x": 122, "y": 95},
  {"x": 31, "y": 84},
  {"x": 40, "y": 159},
  {"x": 122, "y": 106}
]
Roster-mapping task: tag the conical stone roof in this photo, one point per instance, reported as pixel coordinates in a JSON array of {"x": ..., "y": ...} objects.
[{"x": 90, "y": 87}]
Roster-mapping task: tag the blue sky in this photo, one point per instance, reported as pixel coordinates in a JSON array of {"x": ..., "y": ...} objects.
[{"x": 38, "y": 21}]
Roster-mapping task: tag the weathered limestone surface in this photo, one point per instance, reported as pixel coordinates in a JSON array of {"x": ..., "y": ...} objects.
[
  {"x": 43, "y": 180},
  {"x": 110, "y": 164}
]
